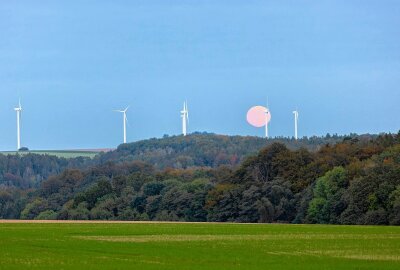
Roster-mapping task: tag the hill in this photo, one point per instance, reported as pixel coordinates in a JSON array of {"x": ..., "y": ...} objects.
[
  {"x": 198, "y": 150},
  {"x": 355, "y": 181},
  {"x": 206, "y": 149}
]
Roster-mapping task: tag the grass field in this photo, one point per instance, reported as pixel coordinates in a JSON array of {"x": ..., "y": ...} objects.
[
  {"x": 58, "y": 153},
  {"x": 196, "y": 246}
]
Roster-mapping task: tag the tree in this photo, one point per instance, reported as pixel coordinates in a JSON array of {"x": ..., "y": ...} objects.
[
  {"x": 324, "y": 208},
  {"x": 394, "y": 217},
  {"x": 100, "y": 189},
  {"x": 34, "y": 208},
  {"x": 47, "y": 215}
]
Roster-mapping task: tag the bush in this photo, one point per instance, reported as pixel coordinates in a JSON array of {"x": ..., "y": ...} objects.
[{"x": 47, "y": 215}]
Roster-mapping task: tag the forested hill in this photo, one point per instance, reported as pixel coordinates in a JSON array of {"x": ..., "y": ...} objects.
[
  {"x": 352, "y": 182},
  {"x": 206, "y": 149},
  {"x": 178, "y": 152}
]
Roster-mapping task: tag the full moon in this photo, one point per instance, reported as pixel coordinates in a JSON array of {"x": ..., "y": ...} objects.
[{"x": 258, "y": 117}]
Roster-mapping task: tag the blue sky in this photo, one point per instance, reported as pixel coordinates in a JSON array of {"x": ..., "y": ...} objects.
[{"x": 73, "y": 62}]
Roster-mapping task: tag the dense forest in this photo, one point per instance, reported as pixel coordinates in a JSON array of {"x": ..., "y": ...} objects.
[
  {"x": 29, "y": 170},
  {"x": 354, "y": 181},
  {"x": 196, "y": 150},
  {"x": 205, "y": 149}
]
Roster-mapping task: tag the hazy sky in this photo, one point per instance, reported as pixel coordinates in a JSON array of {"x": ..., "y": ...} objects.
[{"x": 73, "y": 62}]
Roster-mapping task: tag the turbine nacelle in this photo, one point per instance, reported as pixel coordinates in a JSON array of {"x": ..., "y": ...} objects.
[
  {"x": 122, "y": 111},
  {"x": 19, "y": 108}
]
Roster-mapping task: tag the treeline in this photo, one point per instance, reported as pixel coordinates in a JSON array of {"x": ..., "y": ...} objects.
[
  {"x": 29, "y": 170},
  {"x": 206, "y": 149},
  {"x": 356, "y": 181},
  {"x": 196, "y": 150}
]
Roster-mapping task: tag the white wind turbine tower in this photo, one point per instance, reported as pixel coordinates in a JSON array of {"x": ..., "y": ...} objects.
[
  {"x": 268, "y": 118},
  {"x": 18, "y": 111},
  {"x": 296, "y": 119},
  {"x": 124, "y": 119},
  {"x": 185, "y": 118}
]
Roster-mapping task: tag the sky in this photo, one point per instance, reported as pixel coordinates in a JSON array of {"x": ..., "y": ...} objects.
[{"x": 73, "y": 62}]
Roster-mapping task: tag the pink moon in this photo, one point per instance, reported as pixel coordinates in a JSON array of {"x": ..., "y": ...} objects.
[{"x": 257, "y": 117}]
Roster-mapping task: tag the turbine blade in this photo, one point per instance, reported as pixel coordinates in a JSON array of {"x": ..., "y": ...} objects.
[
  {"x": 127, "y": 122},
  {"x": 187, "y": 112}
]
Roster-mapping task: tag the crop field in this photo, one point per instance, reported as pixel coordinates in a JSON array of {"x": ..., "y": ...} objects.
[
  {"x": 105, "y": 245},
  {"x": 58, "y": 153}
]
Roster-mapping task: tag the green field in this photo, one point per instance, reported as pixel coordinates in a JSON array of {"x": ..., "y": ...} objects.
[
  {"x": 58, "y": 153},
  {"x": 196, "y": 246}
]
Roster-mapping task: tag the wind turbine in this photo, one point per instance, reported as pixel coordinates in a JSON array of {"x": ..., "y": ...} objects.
[
  {"x": 185, "y": 118},
  {"x": 124, "y": 119},
  {"x": 18, "y": 111},
  {"x": 268, "y": 118},
  {"x": 296, "y": 119}
]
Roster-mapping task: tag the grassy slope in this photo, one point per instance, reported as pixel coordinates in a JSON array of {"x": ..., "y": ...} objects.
[
  {"x": 197, "y": 246},
  {"x": 58, "y": 153}
]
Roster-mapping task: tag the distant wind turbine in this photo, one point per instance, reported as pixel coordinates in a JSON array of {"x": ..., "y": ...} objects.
[
  {"x": 124, "y": 119},
  {"x": 268, "y": 118},
  {"x": 185, "y": 118},
  {"x": 18, "y": 111},
  {"x": 296, "y": 119}
]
